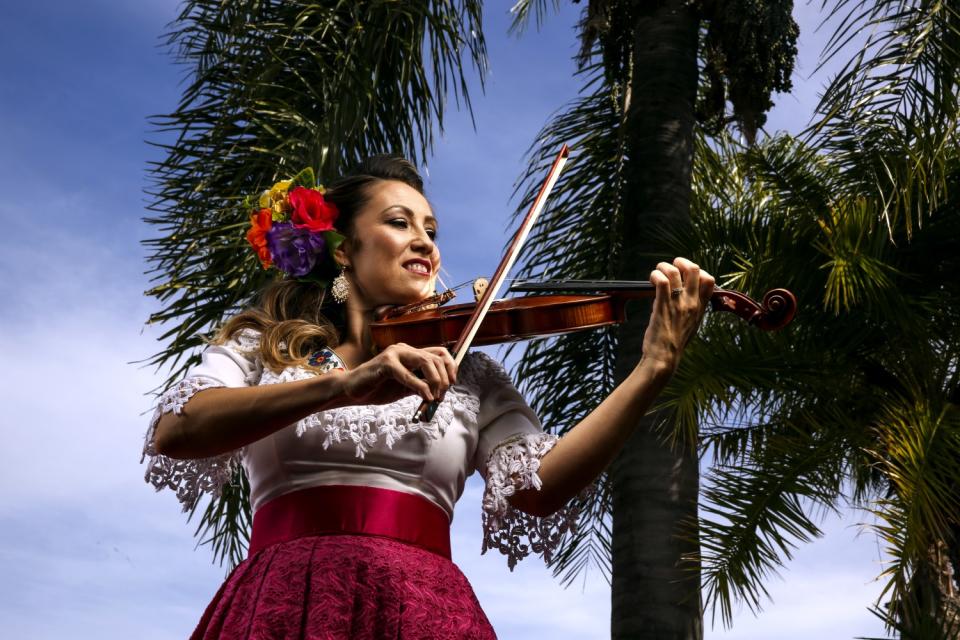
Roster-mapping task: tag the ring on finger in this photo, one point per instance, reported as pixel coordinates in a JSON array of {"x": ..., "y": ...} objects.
[{"x": 675, "y": 293}]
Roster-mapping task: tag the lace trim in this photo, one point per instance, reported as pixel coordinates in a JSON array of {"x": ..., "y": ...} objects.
[
  {"x": 365, "y": 426},
  {"x": 480, "y": 371},
  {"x": 246, "y": 342},
  {"x": 188, "y": 478},
  {"x": 513, "y": 467}
]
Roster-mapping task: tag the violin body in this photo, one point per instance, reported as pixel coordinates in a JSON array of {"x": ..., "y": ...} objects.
[
  {"x": 507, "y": 321},
  {"x": 539, "y": 316}
]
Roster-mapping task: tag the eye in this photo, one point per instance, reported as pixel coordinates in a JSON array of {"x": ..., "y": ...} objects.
[
  {"x": 432, "y": 234},
  {"x": 400, "y": 223}
]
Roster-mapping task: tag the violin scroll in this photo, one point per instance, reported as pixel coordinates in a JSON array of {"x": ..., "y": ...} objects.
[{"x": 777, "y": 310}]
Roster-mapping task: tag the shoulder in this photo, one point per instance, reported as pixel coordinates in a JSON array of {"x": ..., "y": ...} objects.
[
  {"x": 324, "y": 360},
  {"x": 245, "y": 341},
  {"x": 319, "y": 362},
  {"x": 480, "y": 372}
]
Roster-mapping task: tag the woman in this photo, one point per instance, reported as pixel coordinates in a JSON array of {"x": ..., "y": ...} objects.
[{"x": 352, "y": 500}]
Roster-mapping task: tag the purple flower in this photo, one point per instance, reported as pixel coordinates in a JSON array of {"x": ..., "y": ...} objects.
[{"x": 295, "y": 251}]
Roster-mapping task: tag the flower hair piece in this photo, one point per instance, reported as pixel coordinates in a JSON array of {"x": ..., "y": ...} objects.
[{"x": 292, "y": 228}]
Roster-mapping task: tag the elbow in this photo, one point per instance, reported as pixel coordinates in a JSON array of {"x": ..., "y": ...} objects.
[
  {"x": 536, "y": 503},
  {"x": 167, "y": 437}
]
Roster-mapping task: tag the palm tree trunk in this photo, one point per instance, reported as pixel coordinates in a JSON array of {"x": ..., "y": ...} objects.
[{"x": 655, "y": 486}]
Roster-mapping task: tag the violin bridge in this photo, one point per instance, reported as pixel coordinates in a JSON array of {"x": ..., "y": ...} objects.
[{"x": 479, "y": 287}]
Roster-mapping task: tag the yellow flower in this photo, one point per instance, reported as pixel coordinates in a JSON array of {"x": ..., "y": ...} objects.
[
  {"x": 276, "y": 197},
  {"x": 280, "y": 206}
]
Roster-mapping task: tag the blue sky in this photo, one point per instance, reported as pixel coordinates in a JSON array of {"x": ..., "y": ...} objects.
[{"x": 87, "y": 550}]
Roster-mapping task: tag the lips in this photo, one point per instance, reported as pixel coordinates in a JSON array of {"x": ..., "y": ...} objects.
[{"x": 419, "y": 267}]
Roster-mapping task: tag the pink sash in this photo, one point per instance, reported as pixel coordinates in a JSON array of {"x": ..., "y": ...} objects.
[{"x": 348, "y": 509}]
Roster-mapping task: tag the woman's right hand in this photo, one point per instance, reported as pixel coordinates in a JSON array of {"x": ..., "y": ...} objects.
[{"x": 392, "y": 374}]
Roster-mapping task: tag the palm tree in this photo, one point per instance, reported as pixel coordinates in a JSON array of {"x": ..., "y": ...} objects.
[
  {"x": 858, "y": 401},
  {"x": 274, "y": 87},
  {"x": 872, "y": 413},
  {"x": 634, "y": 131},
  {"x": 851, "y": 405}
]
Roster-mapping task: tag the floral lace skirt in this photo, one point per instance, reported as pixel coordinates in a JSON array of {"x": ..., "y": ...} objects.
[{"x": 334, "y": 587}]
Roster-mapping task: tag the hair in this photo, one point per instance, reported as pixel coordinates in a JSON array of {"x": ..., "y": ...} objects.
[{"x": 296, "y": 318}]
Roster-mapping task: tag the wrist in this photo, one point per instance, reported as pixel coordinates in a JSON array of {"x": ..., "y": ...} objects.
[
  {"x": 657, "y": 369},
  {"x": 329, "y": 390}
]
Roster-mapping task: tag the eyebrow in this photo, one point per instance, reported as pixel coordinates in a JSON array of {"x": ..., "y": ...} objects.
[{"x": 407, "y": 210}]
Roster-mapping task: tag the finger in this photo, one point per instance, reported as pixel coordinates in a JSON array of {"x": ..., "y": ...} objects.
[
  {"x": 406, "y": 377},
  {"x": 672, "y": 273},
  {"x": 448, "y": 362},
  {"x": 690, "y": 274},
  {"x": 403, "y": 361},
  {"x": 415, "y": 384},
  {"x": 426, "y": 364},
  {"x": 662, "y": 283},
  {"x": 441, "y": 369},
  {"x": 707, "y": 285}
]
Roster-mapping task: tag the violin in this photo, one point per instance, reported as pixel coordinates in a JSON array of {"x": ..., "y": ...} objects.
[
  {"x": 492, "y": 322},
  {"x": 552, "y": 314}
]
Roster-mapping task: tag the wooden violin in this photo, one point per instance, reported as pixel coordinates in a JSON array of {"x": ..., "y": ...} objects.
[
  {"x": 489, "y": 322},
  {"x": 550, "y": 315}
]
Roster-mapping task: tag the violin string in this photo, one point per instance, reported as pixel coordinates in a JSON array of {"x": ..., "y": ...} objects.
[
  {"x": 444, "y": 272},
  {"x": 461, "y": 285},
  {"x": 455, "y": 287},
  {"x": 443, "y": 283}
]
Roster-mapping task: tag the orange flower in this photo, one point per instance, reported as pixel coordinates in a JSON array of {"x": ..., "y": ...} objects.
[{"x": 260, "y": 223}]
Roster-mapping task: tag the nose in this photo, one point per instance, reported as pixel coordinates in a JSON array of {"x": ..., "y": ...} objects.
[{"x": 423, "y": 243}]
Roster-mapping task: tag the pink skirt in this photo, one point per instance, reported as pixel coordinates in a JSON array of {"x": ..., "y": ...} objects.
[{"x": 344, "y": 586}]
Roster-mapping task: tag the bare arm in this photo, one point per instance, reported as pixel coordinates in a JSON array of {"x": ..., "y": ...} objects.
[
  {"x": 586, "y": 450},
  {"x": 222, "y": 419}
]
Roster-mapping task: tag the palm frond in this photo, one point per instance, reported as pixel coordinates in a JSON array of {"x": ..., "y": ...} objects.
[
  {"x": 920, "y": 627},
  {"x": 576, "y": 238},
  {"x": 226, "y": 522},
  {"x": 754, "y": 515},
  {"x": 589, "y": 547},
  {"x": 523, "y": 10},
  {"x": 917, "y": 447},
  {"x": 894, "y": 103}
]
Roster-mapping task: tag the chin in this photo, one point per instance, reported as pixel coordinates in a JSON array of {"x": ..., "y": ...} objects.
[{"x": 400, "y": 298}]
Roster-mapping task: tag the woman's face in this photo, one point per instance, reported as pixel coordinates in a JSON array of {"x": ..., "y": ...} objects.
[{"x": 392, "y": 258}]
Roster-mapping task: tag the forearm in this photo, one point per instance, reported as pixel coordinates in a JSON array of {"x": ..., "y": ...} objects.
[
  {"x": 585, "y": 451},
  {"x": 222, "y": 419}
]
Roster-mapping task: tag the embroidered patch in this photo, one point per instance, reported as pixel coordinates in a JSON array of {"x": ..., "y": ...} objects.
[{"x": 325, "y": 360}]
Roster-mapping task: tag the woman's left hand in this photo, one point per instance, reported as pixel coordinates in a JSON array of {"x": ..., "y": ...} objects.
[{"x": 683, "y": 291}]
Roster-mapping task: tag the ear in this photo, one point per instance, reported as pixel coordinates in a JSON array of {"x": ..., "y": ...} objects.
[{"x": 342, "y": 254}]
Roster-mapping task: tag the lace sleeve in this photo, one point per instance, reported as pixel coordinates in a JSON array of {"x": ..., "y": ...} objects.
[
  {"x": 233, "y": 364},
  {"x": 188, "y": 478},
  {"x": 511, "y": 467}
]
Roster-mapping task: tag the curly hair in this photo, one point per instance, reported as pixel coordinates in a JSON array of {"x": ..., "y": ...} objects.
[{"x": 296, "y": 318}]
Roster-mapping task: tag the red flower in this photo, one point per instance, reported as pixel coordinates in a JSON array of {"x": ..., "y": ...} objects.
[
  {"x": 260, "y": 223},
  {"x": 311, "y": 211}
]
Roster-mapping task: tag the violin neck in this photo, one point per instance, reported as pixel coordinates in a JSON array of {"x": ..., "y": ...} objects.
[{"x": 618, "y": 288}]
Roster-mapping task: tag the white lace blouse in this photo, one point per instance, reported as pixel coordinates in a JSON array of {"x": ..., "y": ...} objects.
[{"x": 483, "y": 424}]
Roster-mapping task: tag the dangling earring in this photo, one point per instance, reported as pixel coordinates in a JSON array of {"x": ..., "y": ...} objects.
[{"x": 340, "y": 288}]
